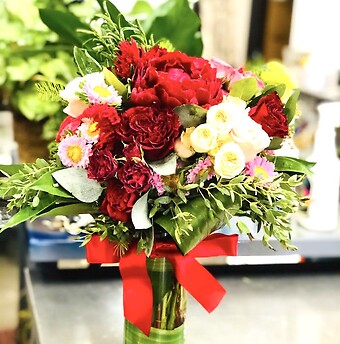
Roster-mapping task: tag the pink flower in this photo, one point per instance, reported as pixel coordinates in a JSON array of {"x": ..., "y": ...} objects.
[
  {"x": 230, "y": 75},
  {"x": 202, "y": 165},
  {"x": 157, "y": 183},
  {"x": 74, "y": 151},
  {"x": 260, "y": 168}
]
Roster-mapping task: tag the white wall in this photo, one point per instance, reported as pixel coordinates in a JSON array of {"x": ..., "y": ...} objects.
[{"x": 315, "y": 25}]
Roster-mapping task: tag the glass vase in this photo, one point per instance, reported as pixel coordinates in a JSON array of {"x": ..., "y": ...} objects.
[{"x": 169, "y": 307}]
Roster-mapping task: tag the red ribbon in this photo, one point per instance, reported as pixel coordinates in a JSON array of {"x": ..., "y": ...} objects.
[{"x": 137, "y": 288}]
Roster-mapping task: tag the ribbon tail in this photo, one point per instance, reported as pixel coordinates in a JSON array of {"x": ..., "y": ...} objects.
[
  {"x": 198, "y": 281},
  {"x": 137, "y": 290}
]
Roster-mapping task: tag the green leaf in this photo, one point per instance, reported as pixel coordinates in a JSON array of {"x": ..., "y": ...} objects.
[
  {"x": 242, "y": 227},
  {"x": 27, "y": 213},
  {"x": 111, "y": 79},
  {"x": 289, "y": 164},
  {"x": 9, "y": 170},
  {"x": 270, "y": 217},
  {"x": 245, "y": 88},
  {"x": 115, "y": 15},
  {"x": 85, "y": 62},
  {"x": 75, "y": 181},
  {"x": 47, "y": 184},
  {"x": 68, "y": 210},
  {"x": 190, "y": 115},
  {"x": 290, "y": 107},
  {"x": 176, "y": 21},
  {"x": 65, "y": 24},
  {"x": 141, "y": 7},
  {"x": 255, "y": 208},
  {"x": 275, "y": 143},
  {"x": 146, "y": 241},
  {"x": 279, "y": 89},
  {"x": 202, "y": 223}
]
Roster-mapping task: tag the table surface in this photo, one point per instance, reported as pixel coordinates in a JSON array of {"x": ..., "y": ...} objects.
[{"x": 75, "y": 307}]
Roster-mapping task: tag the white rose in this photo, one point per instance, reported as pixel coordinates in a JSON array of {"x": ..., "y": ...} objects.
[
  {"x": 222, "y": 116},
  {"x": 251, "y": 137},
  {"x": 229, "y": 160},
  {"x": 203, "y": 138},
  {"x": 221, "y": 140}
]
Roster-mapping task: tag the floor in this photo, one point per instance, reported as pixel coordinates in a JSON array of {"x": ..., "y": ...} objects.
[{"x": 280, "y": 304}]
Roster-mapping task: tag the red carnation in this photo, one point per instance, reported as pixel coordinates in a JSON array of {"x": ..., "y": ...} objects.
[
  {"x": 132, "y": 150},
  {"x": 102, "y": 165},
  {"x": 108, "y": 119},
  {"x": 127, "y": 57},
  {"x": 153, "y": 129},
  {"x": 269, "y": 113},
  {"x": 131, "y": 58},
  {"x": 135, "y": 176},
  {"x": 117, "y": 202}
]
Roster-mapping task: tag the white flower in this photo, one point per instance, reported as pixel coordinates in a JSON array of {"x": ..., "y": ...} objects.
[
  {"x": 89, "y": 89},
  {"x": 251, "y": 137},
  {"x": 98, "y": 92},
  {"x": 222, "y": 116},
  {"x": 89, "y": 130},
  {"x": 229, "y": 160},
  {"x": 203, "y": 138},
  {"x": 221, "y": 140},
  {"x": 75, "y": 106}
]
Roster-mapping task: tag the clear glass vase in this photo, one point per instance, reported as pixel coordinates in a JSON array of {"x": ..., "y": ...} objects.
[{"x": 169, "y": 307}]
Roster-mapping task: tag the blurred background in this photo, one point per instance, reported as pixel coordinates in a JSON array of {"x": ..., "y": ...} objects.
[{"x": 40, "y": 256}]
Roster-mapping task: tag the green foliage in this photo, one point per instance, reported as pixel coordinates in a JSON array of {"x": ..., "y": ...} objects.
[
  {"x": 178, "y": 23},
  {"x": 31, "y": 52},
  {"x": 190, "y": 115},
  {"x": 31, "y": 191},
  {"x": 245, "y": 89}
]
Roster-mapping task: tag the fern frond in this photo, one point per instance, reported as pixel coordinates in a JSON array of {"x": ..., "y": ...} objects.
[{"x": 49, "y": 90}]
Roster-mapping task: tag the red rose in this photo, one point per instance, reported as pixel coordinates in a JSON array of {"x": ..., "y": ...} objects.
[
  {"x": 117, "y": 202},
  {"x": 174, "y": 79},
  {"x": 153, "y": 129},
  {"x": 269, "y": 113},
  {"x": 135, "y": 176},
  {"x": 102, "y": 165}
]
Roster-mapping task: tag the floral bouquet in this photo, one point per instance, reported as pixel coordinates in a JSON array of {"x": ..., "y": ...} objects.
[{"x": 162, "y": 149}]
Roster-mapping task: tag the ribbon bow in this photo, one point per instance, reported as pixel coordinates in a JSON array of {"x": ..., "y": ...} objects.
[{"x": 137, "y": 288}]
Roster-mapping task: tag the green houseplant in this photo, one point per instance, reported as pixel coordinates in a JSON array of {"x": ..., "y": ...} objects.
[{"x": 31, "y": 52}]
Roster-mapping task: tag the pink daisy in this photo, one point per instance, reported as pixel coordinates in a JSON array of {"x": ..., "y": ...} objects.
[
  {"x": 89, "y": 130},
  {"x": 260, "y": 168},
  {"x": 73, "y": 151}
]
